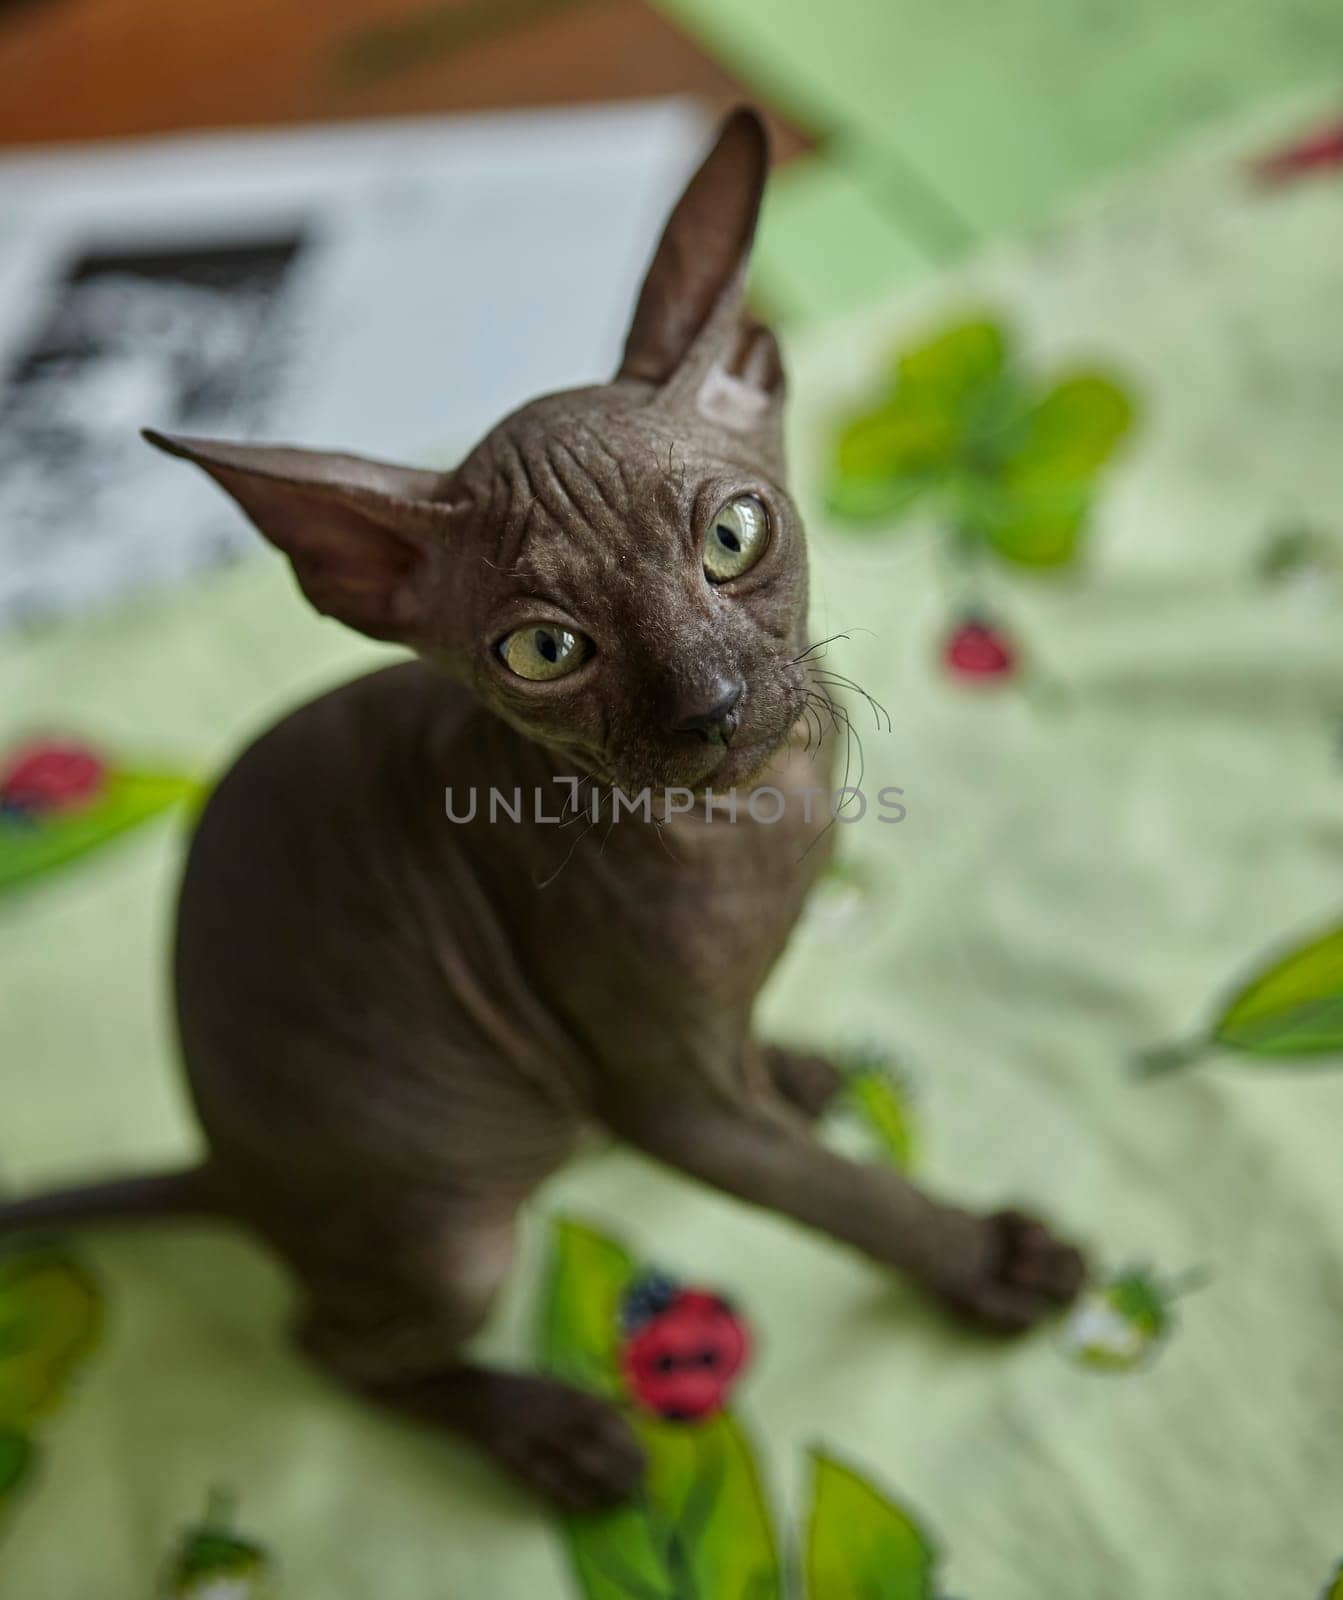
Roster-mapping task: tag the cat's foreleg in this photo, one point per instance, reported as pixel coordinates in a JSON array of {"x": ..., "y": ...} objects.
[{"x": 1004, "y": 1269}]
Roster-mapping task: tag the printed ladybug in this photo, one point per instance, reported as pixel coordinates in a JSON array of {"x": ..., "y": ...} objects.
[
  {"x": 647, "y": 1297},
  {"x": 976, "y": 649},
  {"x": 683, "y": 1348},
  {"x": 1321, "y": 151},
  {"x": 51, "y": 776}
]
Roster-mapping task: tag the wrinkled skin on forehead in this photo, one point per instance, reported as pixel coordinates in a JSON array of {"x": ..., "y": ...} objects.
[{"x": 590, "y": 510}]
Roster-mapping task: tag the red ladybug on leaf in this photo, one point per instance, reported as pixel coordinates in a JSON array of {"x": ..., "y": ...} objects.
[
  {"x": 976, "y": 649},
  {"x": 51, "y": 776},
  {"x": 1321, "y": 151},
  {"x": 683, "y": 1348}
]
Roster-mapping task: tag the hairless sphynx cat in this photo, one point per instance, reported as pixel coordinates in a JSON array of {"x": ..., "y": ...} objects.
[{"x": 396, "y": 1025}]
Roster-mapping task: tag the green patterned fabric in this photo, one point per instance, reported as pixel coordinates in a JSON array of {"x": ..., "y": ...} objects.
[
  {"x": 1084, "y": 876},
  {"x": 944, "y": 126}
]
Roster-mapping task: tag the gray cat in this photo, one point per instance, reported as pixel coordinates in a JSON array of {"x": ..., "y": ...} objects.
[{"x": 396, "y": 1025}]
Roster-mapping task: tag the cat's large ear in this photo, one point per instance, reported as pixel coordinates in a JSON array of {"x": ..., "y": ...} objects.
[
  {"x": 690, "y": 334},
  {"x": 366, "y": 539}
]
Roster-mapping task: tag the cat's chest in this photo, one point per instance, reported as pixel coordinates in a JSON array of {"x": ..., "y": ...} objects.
[{"x": 700, "y": 910}]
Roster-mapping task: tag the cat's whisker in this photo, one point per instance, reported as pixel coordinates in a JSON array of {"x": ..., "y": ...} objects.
[
  {"x": 819, "y": 705},
  {"x": 819, "y": 645},
  {"x": 660, "y": 833},
  {"x": 823, "y": 644},
  {"x": 803, "y": 715},
  {"x": 570, "y": 803},
  {"x": 880, "y": 714},
  {"x": 857, "y": 738},
  {"x": 593, "y": 785},
  {"x": 839, "y": 715},
  {"x": 850, "y": 738},
  {"x": 815, "y": 730},
  {"x": 830, "y": 676},
  {"x": 813, "y": 708},
  {"x": 544, "y": 883},
  {"x": 835, "y": 713}
]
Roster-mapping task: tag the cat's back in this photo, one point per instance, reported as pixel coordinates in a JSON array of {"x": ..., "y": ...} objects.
[
  {"x": 312, "y": 817},
  {"x": 334, "y": 758},
  {"x": 332, "y": 967}
]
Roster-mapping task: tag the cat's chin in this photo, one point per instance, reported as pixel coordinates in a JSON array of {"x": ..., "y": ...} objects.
[
  {"x": 736, "y": 768},
  {"x": 741, "y": 767}
]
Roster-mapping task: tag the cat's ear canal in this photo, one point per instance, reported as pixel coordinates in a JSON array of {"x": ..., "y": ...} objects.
[
  {"x": 366, "y": 539},
  {"x": 691, "y": 334}
]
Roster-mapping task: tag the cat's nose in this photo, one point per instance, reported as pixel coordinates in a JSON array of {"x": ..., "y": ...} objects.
[{"x": 716, "y": 716}]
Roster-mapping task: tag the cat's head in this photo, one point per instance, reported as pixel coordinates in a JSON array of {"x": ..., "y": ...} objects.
[{"x": 616, "y": 571}]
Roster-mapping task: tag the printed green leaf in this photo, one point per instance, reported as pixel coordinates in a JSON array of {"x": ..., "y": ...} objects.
[
  {"x": 212, "y": 1562},
  {"x": 699, "y": 1531},
  {"x": 1292, "y": 551},
  {"x": 876, "y": 498},
  {"x": 1048, "y": 480},
  {"x": 902, "y": 442},
  {"x": 50, "y": 1319},
  {"x": 1073, "y": 431},
  {"x": 961, "y": 423},
  {"x": 1292, "y": 1011},
  {"x": 620, "y": 1555},
  {"x": 1293, "y": 1008},
  {"x": 876, "y": 1093},
  {"x": 704, "y": 1484},
  {"x": 1041, "y": 527},
  {"x": 1335, "y": 1589},
  {"x": 954, "y": 364},
  {"x": 860, "y": 1545},
  {"x": 945, "y": 394},
  {"x": 886, "y": 459},
  {"x": 16, "y": 1458},
  {"x": 1117, "y": 1326},
  {"x": 30, "y": 847},
  {"x": 580, "y": 1331}
]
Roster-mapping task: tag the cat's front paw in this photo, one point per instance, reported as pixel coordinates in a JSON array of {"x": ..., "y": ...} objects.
[{"x": 1015, "y": 1274}]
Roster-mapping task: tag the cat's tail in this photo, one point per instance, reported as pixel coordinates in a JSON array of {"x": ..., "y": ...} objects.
[{"x": 189, "y": 1193}]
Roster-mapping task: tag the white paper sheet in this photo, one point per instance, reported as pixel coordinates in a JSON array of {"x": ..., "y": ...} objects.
[{"x": 390, "y": 289}]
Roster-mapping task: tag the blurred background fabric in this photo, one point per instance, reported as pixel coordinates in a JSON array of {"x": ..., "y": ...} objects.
[
  {"x": 908, "y": 135},
  {"x": 917, "y": 130},
  {"x": 1117, "y": 735},
  {"x": 374, "y": 282}
]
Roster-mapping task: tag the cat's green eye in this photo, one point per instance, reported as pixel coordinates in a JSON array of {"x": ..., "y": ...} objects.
[
  {"x": 543, "y": 650},
  {"x": 736, "y": 539}
]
